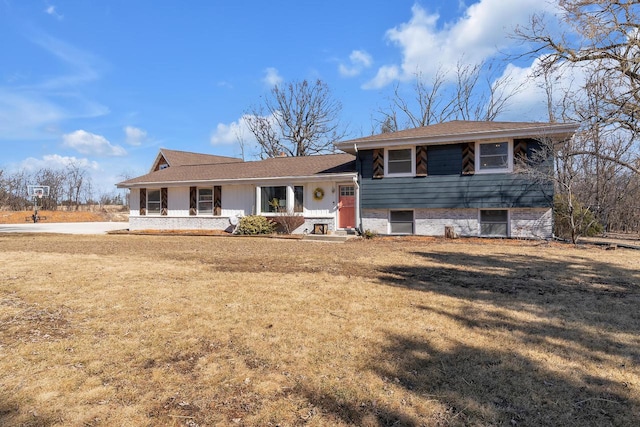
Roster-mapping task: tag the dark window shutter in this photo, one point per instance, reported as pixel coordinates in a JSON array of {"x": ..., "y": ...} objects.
[
  {"x": 520, "y": 151},
  {"x": 378, "y": 163},
  {"x": 469, "y": 159},
  {"x": 143, "y": 201},
  {"x": 164, "y": 201},
  {"x": 421, "y": 160},
  {"x": 217, "y": 200},
  {"x": 193, "y": 200}
]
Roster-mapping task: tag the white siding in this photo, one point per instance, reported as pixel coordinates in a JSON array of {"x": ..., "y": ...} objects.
[
  {"x": 320, "y": 208},
  {"x": 178, "y": 202},
  {"x": 134, "y": 202},
  {"x": 238, "y": 200}
]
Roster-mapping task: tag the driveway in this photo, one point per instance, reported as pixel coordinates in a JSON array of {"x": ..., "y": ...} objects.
[{"x": 64, "y": 227}]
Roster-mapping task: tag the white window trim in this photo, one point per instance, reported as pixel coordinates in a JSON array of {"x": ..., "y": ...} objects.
[
  {"x": 413, "y": 161},
  {"x": 413, "y": 222},
  {"x": 509, "y": 167},
  {"x": 290, "y": 198},
  {"x": 208, "y": 213},
  {"x": 159, "y": 212},
  {"x": 494, "y": 209}
]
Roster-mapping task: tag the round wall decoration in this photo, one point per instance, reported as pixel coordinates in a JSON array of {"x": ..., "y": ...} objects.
[{"x": 318, "y": 194}]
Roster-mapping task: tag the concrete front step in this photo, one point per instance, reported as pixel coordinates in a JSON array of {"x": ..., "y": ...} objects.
[{"x": 328, "y": 237}]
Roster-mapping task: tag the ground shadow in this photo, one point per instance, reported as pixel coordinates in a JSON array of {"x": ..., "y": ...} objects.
[{"x": 577, "y": 305}]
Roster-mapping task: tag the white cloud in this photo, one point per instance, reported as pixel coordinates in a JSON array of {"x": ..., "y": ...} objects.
[
  {"x": 56, "y": 161},
  {"x": 427, "y": 45},
  {"x": 272, "y": 77},
  {"x": 358, "y": 60},
  {"x": 385, "y": 75},
  {"x": 135, "y": 136},
  {"x": 530, "y": 100},
  {"x": 51, "y": 10},
  {"x": 230, "y": 133},
  {"x": 91, "y": 144}
]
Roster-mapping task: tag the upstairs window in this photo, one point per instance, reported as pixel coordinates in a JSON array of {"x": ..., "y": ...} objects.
[
  {"x": 400, "y": 162},
  {"x": 153, "y": 201},
  {"x": 494, "y": 157}
]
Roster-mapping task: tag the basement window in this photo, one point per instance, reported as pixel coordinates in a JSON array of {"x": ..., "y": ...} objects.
[
  {"x": 401, "y": 222},
  {"x": 494, "y": 223}
]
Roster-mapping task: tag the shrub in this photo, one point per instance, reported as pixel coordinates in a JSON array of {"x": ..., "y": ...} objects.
[
  {"x": 255, "y": 224},
  {"x": 288, "y": 222},
  {"x": 573, "y": 220},
  {"x": 368, "y": 234}
]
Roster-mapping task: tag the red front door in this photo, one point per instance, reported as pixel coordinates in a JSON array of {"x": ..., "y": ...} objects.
[{"x": 347, "y": 207}]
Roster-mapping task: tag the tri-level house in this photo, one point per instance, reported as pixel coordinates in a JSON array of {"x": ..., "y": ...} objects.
[{"x": 458, "y": 175}]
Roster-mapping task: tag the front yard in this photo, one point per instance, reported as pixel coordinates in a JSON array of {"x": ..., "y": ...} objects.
[{"x": 195, "y": 331}]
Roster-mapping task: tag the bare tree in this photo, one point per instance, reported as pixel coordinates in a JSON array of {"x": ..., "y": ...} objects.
[
  {"x": 296, "y": 119},
  {"x": 473, "y": 93},
  {"x": 605, "y": 36},
  {"x": 77, "y": 182}
]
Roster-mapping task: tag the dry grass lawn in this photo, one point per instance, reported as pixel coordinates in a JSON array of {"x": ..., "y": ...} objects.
[{"x": 200, "y": 331}]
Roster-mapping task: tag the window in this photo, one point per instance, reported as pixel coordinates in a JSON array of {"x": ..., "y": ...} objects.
[
  {"x": 205, "y": 200},
  {"x": 273, "y": 199},
  {"x": 494, "y": 223},
  {"x": 494, "y": 156},
  {"x": 400, "y": 162},
  {"x": 153, "y": 201},
  {"x": 298, "y": 198},
  {"x": 401, "y": 222},
  {"x": 347, "y": 190}
]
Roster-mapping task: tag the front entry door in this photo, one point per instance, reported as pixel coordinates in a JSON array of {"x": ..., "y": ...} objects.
[{"x": 346, "y": 207}]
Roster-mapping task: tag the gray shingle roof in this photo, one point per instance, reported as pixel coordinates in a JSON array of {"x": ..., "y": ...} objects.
[
  {"x": 460, "y": 131},
  {"x": 307, "y": 166}
]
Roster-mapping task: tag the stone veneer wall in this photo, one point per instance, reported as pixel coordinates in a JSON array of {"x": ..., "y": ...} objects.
[
  {"x": 532, "y": 223},
  {"x": 525, "y": 222},
  {"x": 150, "y": 222},
  {"x": 178, "y": 223}
]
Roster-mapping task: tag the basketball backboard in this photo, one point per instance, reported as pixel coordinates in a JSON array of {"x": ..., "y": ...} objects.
[{"x": 38, "y": 191}]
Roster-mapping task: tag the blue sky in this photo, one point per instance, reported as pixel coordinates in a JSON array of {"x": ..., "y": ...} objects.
[{"x": 105, "y": 84}]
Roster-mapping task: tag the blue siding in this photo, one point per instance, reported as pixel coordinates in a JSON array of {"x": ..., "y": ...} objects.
[
  {"x": 444, "y": 159},
  {"x": 450, "y": 191}
]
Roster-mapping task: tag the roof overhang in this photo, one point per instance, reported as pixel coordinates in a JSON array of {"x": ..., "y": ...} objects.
[
  {"x": 239, "y": 181},
  {"x": 554, "y": 131}
]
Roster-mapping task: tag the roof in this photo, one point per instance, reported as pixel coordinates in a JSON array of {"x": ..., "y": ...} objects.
[
  {"x": 460, "y": 131},
  {"x": 183, "y": 158},
  {"x": 234, "y": 170}
]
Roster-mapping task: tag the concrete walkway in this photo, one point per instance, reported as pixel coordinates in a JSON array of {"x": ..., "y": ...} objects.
[{"x": 64, "y": 227}]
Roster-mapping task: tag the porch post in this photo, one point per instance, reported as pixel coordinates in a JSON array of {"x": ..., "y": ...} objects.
[{"x": 357, "y": 203}]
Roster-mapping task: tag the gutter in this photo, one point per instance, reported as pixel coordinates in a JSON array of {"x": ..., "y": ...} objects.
[
  {"x": 310, "y": 178},
  {"x": 357, "y": 185},
  {"x": 562, "y": 130}
]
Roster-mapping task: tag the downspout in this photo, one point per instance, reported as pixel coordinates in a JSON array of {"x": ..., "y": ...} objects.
[{"x": 357, "y": 185}]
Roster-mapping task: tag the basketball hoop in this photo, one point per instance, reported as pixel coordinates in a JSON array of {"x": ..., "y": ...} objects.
[{"x": 37, "y": 192}]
